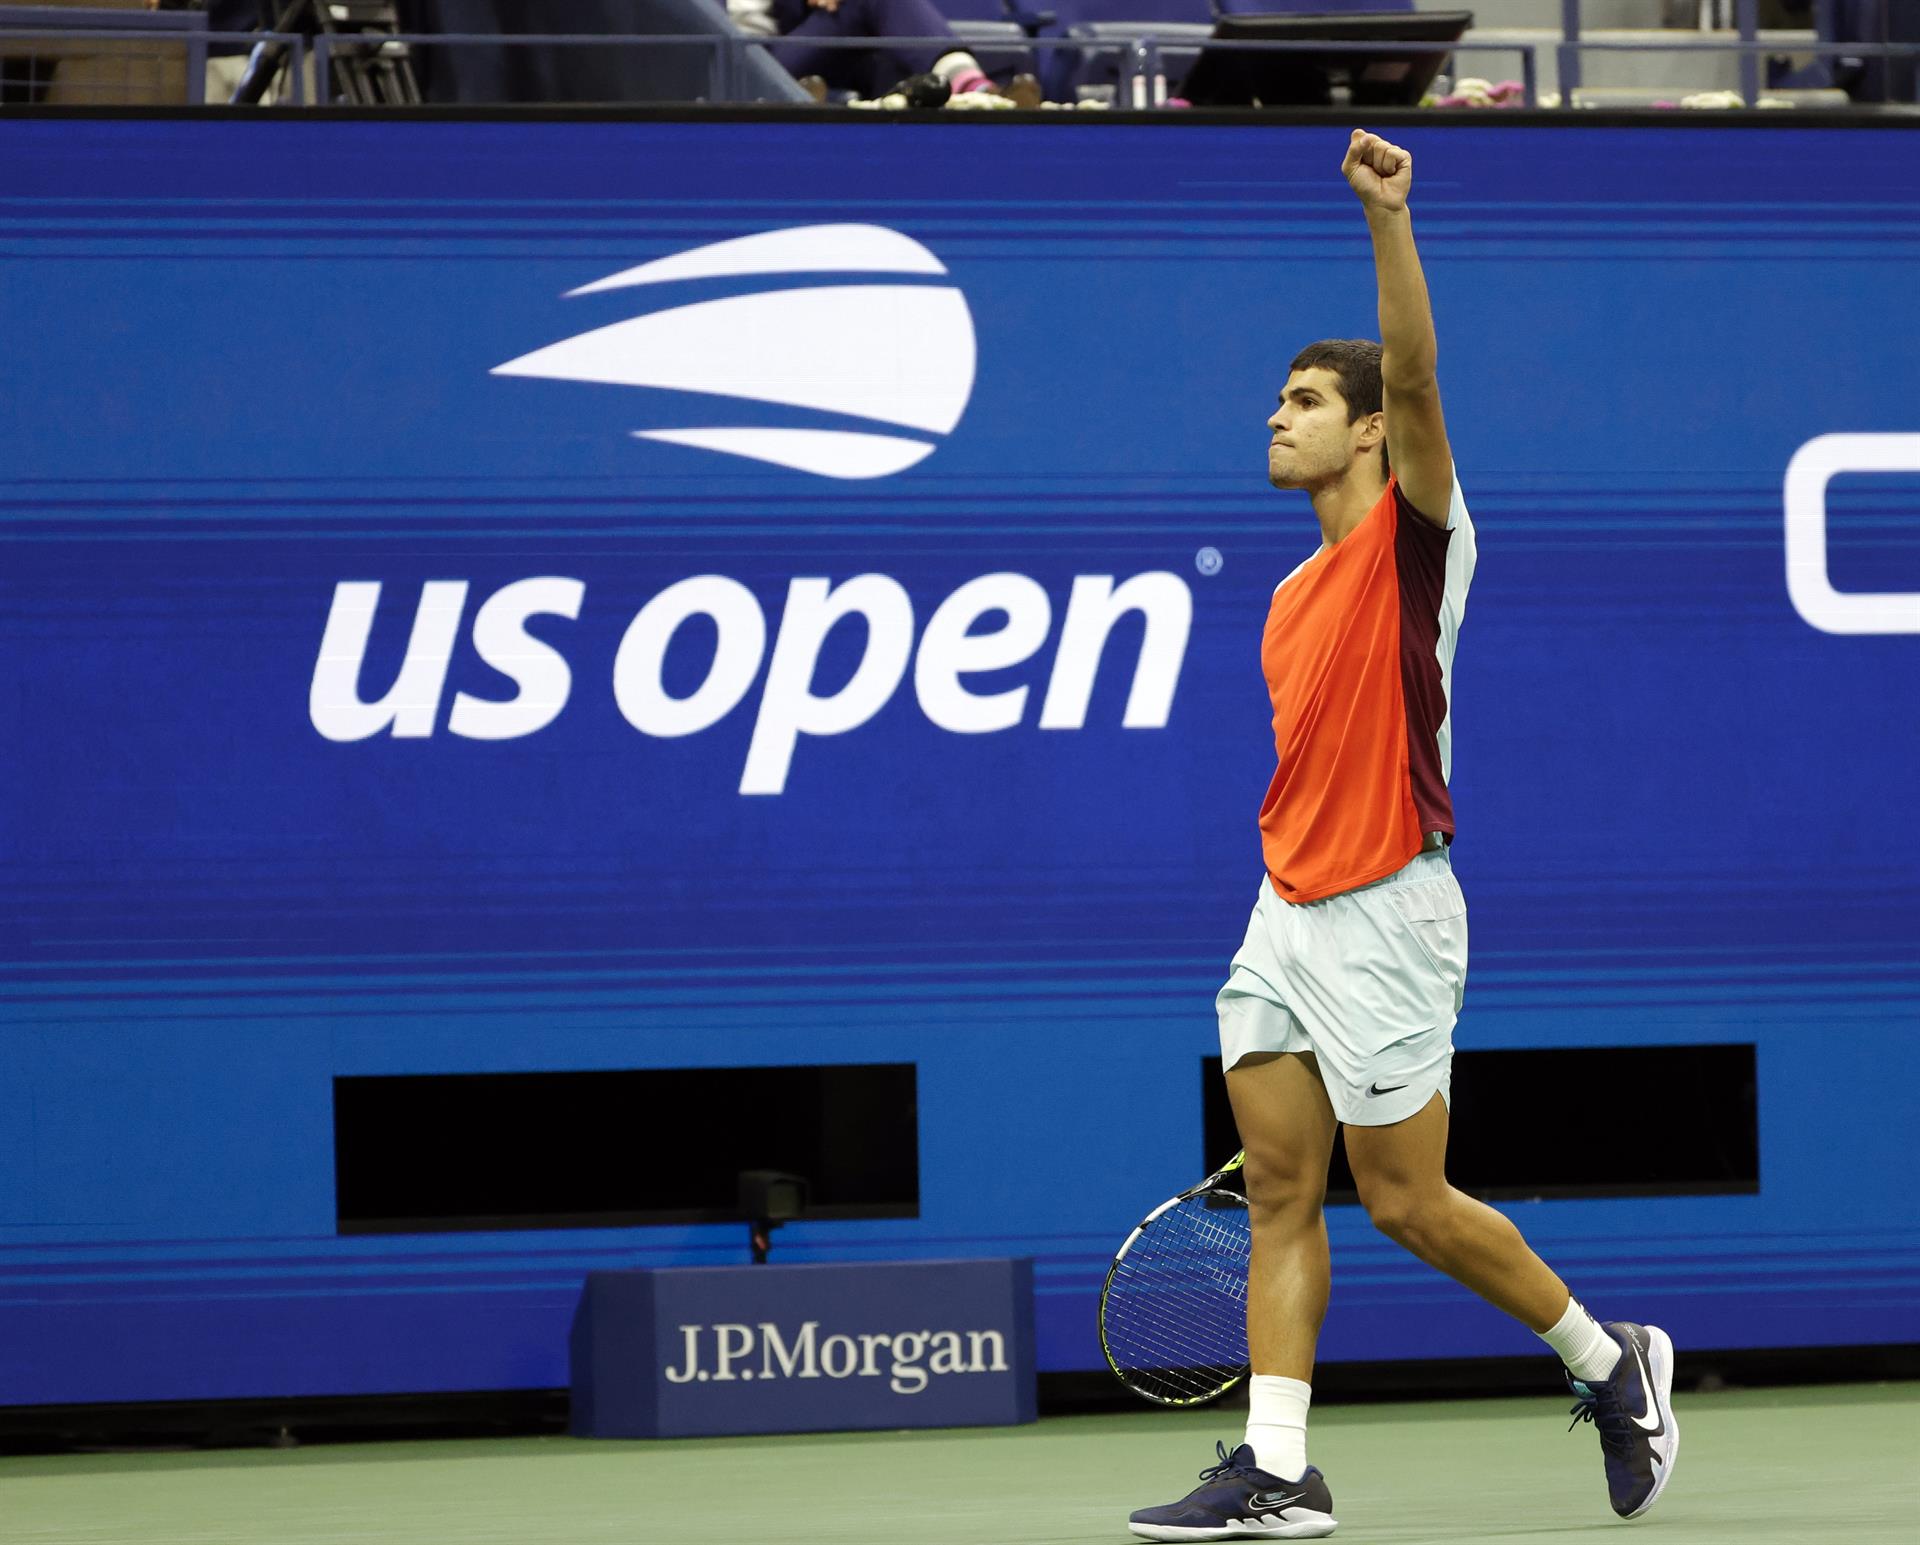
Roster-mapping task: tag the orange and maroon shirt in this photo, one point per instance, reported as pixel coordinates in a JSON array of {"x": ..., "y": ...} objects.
[{"x": 1358, "y": 655}]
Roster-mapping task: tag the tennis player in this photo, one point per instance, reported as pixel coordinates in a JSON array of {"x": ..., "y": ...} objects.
[{"x": 1340, "y": 1004}]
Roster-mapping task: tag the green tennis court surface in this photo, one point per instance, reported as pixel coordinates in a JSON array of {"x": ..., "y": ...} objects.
[{"x": 1835, "y": 1462}]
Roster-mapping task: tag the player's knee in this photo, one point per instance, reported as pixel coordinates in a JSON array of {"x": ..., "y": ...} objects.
[
  {"x": 1410, "y": 1216},
  {"x": 1281, "y": 1192}
]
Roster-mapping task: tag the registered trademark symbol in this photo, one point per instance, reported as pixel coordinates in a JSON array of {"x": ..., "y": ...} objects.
[{"x": 1208, "y": 560}]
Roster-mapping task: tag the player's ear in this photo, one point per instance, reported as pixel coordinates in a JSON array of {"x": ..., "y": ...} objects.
[{"x": 1373, "y": 430}]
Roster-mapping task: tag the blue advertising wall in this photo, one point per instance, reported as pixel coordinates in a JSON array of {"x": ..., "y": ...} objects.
[{"x": 252, "y": 372}]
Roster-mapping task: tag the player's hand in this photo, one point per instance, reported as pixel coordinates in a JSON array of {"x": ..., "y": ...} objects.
[{"x": 1381, "y": 173}]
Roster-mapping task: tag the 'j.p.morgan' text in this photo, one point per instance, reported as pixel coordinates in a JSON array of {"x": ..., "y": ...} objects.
[{"x": 907, "y": 1359}]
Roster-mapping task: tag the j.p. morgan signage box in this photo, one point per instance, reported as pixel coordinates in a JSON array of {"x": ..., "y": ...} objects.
[{"x": 732, "y": 1349}]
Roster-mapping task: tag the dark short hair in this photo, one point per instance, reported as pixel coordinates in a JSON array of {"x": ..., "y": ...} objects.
[{"x": 1355, "y": 363}]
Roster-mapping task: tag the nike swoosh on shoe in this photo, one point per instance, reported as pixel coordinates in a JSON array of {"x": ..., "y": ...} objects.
[{"x": 1658, "y": 1425}]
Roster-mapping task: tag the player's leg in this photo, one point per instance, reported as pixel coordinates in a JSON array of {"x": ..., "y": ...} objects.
[
  {"x": 1390, "y": 963},
  {"x": 1622, "y": 1373},
  {"x": 1286, "y": 1126},
  {"x": 1264, "y": 1489},
  {"x": 1286, "y": 1122},
  {"x": 1401, "y": 1174}
]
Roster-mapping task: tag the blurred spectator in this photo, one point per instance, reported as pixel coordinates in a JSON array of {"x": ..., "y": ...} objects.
[
  {"x": 227, "y": 62},
  {"x": 866, "y": 72},
  {"x": 1865, "y": 79},
  {"x": 539, "y": 72}
]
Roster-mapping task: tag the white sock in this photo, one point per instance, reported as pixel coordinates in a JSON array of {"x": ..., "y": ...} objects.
[
  {"x": 1587, "y": 1350},
  {"x": 1277, "y": 1424}
]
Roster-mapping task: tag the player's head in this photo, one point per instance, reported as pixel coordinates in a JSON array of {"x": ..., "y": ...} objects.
[{"x": 1329, "y": 418}]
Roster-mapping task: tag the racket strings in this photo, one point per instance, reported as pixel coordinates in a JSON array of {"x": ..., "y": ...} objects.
[{"x": 1174, "y": 1315}]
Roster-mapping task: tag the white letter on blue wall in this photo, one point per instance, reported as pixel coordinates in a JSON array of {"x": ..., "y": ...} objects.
[
  {"x": 334, "y": 703},
  {"x": 501, "y": 637},
  {"x": 1092, "y": 610},
  {"x": 1809, "y": 586},
  {"x": 949, "y": 649},
  {"x": 741, "y": 639},
  {"x": 790, "y": 708}
]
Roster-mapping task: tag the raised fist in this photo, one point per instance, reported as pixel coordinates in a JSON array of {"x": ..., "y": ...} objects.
[{"x": 1381, "y": 173}]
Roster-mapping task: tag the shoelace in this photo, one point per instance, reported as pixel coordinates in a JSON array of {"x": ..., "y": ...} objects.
[
  {"x": 1225, "y": 1468},
  {"x": 1608, "y": 1419}
]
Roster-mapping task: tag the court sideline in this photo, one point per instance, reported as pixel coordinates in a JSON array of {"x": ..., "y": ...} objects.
[{"x": 1757, "y": 1465}]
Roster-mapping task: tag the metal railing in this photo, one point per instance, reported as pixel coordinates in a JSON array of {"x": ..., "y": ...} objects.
[
  {"x": 723, "y": 68},
  {"x": 195, "y": 42},
  {"x": 1751, "y": 54},
  {"x": 1751, "y": 47},
  {"x": 1142, "y": 73}
]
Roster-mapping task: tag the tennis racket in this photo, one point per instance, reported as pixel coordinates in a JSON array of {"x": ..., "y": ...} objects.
[{"x": 1173, "y": 1310}]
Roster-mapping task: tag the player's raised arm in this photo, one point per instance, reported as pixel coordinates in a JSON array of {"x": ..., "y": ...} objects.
[{"x": 1382, "y": 175}]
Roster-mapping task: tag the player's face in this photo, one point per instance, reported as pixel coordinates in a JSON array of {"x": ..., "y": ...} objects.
[{"x": 1310, "y": 441}]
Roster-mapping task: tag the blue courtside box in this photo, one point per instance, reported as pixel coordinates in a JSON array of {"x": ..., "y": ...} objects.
[{"x": 703, "y": 1351}]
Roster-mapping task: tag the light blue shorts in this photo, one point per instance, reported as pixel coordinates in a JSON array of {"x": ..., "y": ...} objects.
[{"x": 1370, "y": 981}]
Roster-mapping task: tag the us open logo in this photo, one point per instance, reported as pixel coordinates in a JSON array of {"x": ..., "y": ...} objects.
[
  {"x": 899, "y": 357},
  {"x": 901, "y": 354}
]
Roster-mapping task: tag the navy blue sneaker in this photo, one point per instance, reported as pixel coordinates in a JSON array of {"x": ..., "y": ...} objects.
[
  {"x": 1633, "y": 1412},
  {"x": 1240, "y": 1501}
]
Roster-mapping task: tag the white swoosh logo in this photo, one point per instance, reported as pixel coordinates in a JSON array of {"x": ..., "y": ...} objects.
[
  {"x": 805, "y": 249},
  {"x": 901, "y": 356},
  {"x": 1646, "y": 1384},
  {"x": 828, "y": 452},
  {"x": 897, "y": 354}
]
